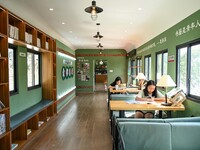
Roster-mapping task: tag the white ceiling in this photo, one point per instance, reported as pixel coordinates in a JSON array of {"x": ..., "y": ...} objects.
[{"x": 122, "y": 24}]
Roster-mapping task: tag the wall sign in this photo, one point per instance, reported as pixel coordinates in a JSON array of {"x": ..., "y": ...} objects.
[
  {"x": 67, "y": 72},
  {"x": 63, "y": 72},
  {"x": 171, "y": 58}
]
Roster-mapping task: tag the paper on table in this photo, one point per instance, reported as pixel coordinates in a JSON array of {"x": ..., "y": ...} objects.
[{"x": 132, "y": 102}]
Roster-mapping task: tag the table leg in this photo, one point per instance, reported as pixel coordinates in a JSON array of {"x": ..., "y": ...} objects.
[
  {"x": 169, "y": 114},
  {"x": 160, "y": 114},
  {"x": 121, "y": 114},
  {"x": 111, "y": 114}
]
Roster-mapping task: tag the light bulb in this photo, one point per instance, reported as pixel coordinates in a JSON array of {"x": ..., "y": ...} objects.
[{"x": 94, "y": 14}]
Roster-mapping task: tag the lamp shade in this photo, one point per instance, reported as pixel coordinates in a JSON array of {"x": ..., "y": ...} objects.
[
  {"x": 140, "y": 76},
  {"x": 99, "y": 46},
  {"x": 166, "y": 81},
  {"x": 98, "y": 35}
]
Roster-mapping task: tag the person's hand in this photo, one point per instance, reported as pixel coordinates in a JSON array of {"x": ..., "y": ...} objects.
[{"x": 150, "y": 99}]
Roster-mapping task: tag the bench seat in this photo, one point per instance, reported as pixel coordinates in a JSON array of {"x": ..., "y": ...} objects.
[{"x": 25, "y": 115}]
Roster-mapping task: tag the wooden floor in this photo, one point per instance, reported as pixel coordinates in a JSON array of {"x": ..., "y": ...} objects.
[{"x": 82, "y": 125}]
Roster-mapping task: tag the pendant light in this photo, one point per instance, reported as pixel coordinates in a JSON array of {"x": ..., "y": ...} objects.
[
  {"x": 99, "y": 46},
  {"x": 93, "y": 10},
  {"x": 98, "y": 35}
]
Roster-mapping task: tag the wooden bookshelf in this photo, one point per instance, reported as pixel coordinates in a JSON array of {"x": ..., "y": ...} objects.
[
  {"x": 5, "y": 142},
  {"x": 39, "y": 41}
]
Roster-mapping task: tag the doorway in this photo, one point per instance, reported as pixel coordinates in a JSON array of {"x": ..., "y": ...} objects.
[{"x": 101, "y": 75}]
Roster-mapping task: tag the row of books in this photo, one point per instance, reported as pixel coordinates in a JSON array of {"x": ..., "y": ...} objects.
[
  {"x": 13, "y": 32},
  {"x": 28, "y": 38}
]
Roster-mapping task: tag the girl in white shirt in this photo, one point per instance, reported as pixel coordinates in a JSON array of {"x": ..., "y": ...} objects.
[{"x": 149, "y": 93}]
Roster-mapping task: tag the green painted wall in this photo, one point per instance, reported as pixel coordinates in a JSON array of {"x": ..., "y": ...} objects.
[
  {"x": 169, "y": 40},
  {"x": 64, "y": 85},
  {"x": 24, "y": 98},
  {"x": 116, "y": 61}
]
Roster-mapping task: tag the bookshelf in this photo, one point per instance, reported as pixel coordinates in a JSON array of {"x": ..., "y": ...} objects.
[
  {"x": 21, "y": 33},
  {"x": 5, "y": 142}
]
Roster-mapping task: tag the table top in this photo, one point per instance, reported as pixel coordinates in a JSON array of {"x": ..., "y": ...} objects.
[
  {"x": 131, "y": 90},
  {"x": 141, "y": 105}
]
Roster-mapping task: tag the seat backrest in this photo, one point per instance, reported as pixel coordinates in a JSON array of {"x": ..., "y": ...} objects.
[{"x": 145, "y": 135}]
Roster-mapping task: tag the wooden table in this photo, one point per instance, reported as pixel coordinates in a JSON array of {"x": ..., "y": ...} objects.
[
  {"x": 131, "y": 90},
  {"x": 122, "y": 106}
]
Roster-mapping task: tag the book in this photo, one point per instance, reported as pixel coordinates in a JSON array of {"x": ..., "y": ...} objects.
[
  {"x": 14, "y": 146},
  {"x": 48, "y": 118},
  {"x": 2, "y": 105},
  {"x": 2, "y": 123},
  {"x": 38, "y": 42},
  {"x": 29, "y": 131},
  {"x": 40, "y": 123}
]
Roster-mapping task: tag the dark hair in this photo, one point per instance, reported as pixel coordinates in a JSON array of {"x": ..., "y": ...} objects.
[
  {"x": 116, "y": 79},
  {"x": 146, "y": 93}
]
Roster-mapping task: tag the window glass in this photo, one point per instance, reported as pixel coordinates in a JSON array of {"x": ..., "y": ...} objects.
[
  {"x": 188, "y": 69},
  {"x": 33, "y": 69},
  {"x": 161, "y": 64},
  {"x": 165, "y": 59},
  {"x": 182, "y": 69},
  {"x": 147, "y": 67},
  {"x": 11, "y": 69},
  {"x": 139, "y": 65},
  {"x": 195, "y": 70}
]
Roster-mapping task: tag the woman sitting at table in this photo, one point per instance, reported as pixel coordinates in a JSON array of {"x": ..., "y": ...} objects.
[
  {"x": 150, "y": 94},
  {"x": 115, "y": 84},
  {"x": 117, "y": 81}
]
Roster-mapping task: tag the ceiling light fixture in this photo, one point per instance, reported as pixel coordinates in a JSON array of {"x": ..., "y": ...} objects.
[
  {"x": 93, "y": 10},
  {"x": 98, "y": 35},
  {"x": 99, "y": 46},
  {"x": 100, "y": 52}
]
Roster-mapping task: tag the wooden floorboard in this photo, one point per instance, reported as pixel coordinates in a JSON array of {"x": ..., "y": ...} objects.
[{"x": 82, "y": 125}]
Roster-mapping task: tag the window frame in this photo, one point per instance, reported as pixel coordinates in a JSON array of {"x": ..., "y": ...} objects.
[
  {"x": 138, "y": 65},
  {"x": 133, "y": 67},
  {"x": 162, "y": 65},
  {"x": 15, "y": 91},
  {"x": 148, "y": 75},
  {"x": 39, "y": 69},
  {"x": 187, "y": 45}
]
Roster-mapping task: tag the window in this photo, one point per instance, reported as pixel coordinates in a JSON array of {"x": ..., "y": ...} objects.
[
  {"x": 133, "y": 68},
  {"x": 161, "y": 64},
  {"x": 12, "y": 69},
  {"x": 139, "y": 65},
  {"x": 33, "y": 69},
  {"x": 188, "y": 69},
  {"x": 147, "y": 67}
]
